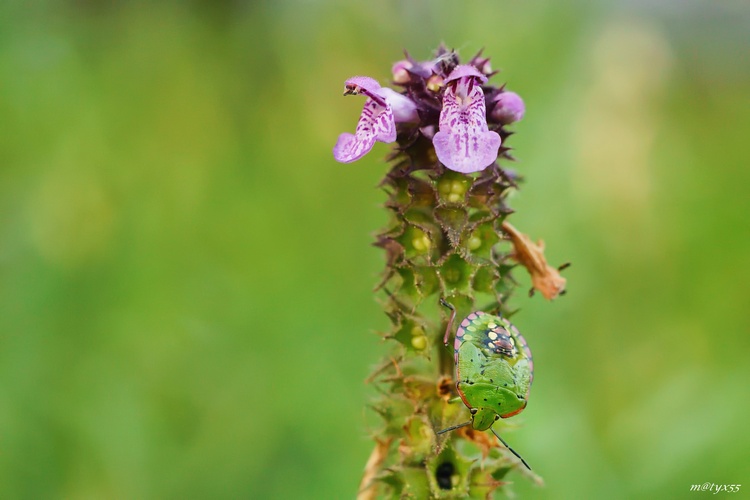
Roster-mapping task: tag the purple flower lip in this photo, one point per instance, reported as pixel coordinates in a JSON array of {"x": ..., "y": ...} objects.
[{"x": 464, "y": 143}]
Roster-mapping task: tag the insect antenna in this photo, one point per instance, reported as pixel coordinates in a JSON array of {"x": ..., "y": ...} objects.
[
  {"x": 506, "y": 445},
  {"x": 458, "y": 427},
  {"x": 450, "y": 320}
]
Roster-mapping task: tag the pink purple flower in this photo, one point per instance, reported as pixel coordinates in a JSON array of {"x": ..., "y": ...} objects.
[
  {"x": 383, "y": 108},
  {"x": 464, "y": 143}
]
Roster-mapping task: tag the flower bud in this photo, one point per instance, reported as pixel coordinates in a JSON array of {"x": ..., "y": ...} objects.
[
  {"x": 400, "y": 71},
  {"x": 508, "y": 108},
  {"x": 434, "y": 83}
]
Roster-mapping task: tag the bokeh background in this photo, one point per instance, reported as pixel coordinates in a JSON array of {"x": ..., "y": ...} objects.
[{"x": 186, "y": 275}]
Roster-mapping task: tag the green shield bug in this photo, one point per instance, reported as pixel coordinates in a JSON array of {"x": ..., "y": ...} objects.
[{"x": 494, "y": 369}]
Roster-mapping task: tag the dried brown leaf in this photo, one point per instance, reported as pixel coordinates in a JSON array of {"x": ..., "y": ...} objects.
[{"x": 544, "y": 278}]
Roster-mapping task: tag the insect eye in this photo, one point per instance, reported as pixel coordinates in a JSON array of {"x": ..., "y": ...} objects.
[{"x": 473, "y": 411}]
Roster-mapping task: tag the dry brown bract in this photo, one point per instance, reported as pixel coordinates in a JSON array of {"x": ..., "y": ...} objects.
[
  {"x": 367, "y": 488},
  {"x": 544, "y": 277}
]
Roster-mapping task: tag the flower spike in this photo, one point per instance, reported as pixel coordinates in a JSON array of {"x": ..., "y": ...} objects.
[
  {"x": 441, "y": 244},
  {"x": 464, "y": 143}
]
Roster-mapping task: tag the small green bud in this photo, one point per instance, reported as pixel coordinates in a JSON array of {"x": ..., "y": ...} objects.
[
  {"x": 444, "y": 186},
  {"x": 417, "y": 331},
  {"x": 475, "y": 242},
  {"x": 458, "y": 187},
  {"x": 453, "y": 190},
  {"x": 419, "y": 342},
  {"x": 421, "y": 242}
]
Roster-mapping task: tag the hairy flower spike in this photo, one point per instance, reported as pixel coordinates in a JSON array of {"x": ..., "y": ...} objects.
[
  {"x": 447, "y": 208},
  {"x": 464, "y": 142}
]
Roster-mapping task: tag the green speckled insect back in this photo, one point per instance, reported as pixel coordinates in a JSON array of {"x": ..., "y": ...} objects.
[{"x": 494, "y": 368}]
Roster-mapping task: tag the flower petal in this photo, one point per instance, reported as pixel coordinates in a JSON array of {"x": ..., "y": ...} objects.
[
  {"x": 363, "y": 85},
  {"x": 404, "y": 109},
  {"x": 464, "y": 71},
  {"x": 376, "y": 123},
  {"x": 464, "y": 143},
  {"x": 351, "y": 148}
]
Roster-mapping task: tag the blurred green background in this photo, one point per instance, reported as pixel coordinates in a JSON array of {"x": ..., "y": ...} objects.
[{"x": 186, "y": 274}]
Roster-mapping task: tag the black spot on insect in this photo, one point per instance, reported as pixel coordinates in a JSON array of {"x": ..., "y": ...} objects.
[
  {"x": 443, "y": 475},
  {"x": 519, "y": 396},
  {"x": 485, "y": 399},
  {"x": 505, "y": 384},
  {"x": 492, "y": 381}
]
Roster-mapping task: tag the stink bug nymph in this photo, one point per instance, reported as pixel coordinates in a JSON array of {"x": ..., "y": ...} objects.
[{"x": 494, "y": 369}]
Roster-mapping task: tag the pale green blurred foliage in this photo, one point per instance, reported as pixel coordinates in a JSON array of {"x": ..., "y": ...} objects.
[{"x": 186, "y": 274}]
